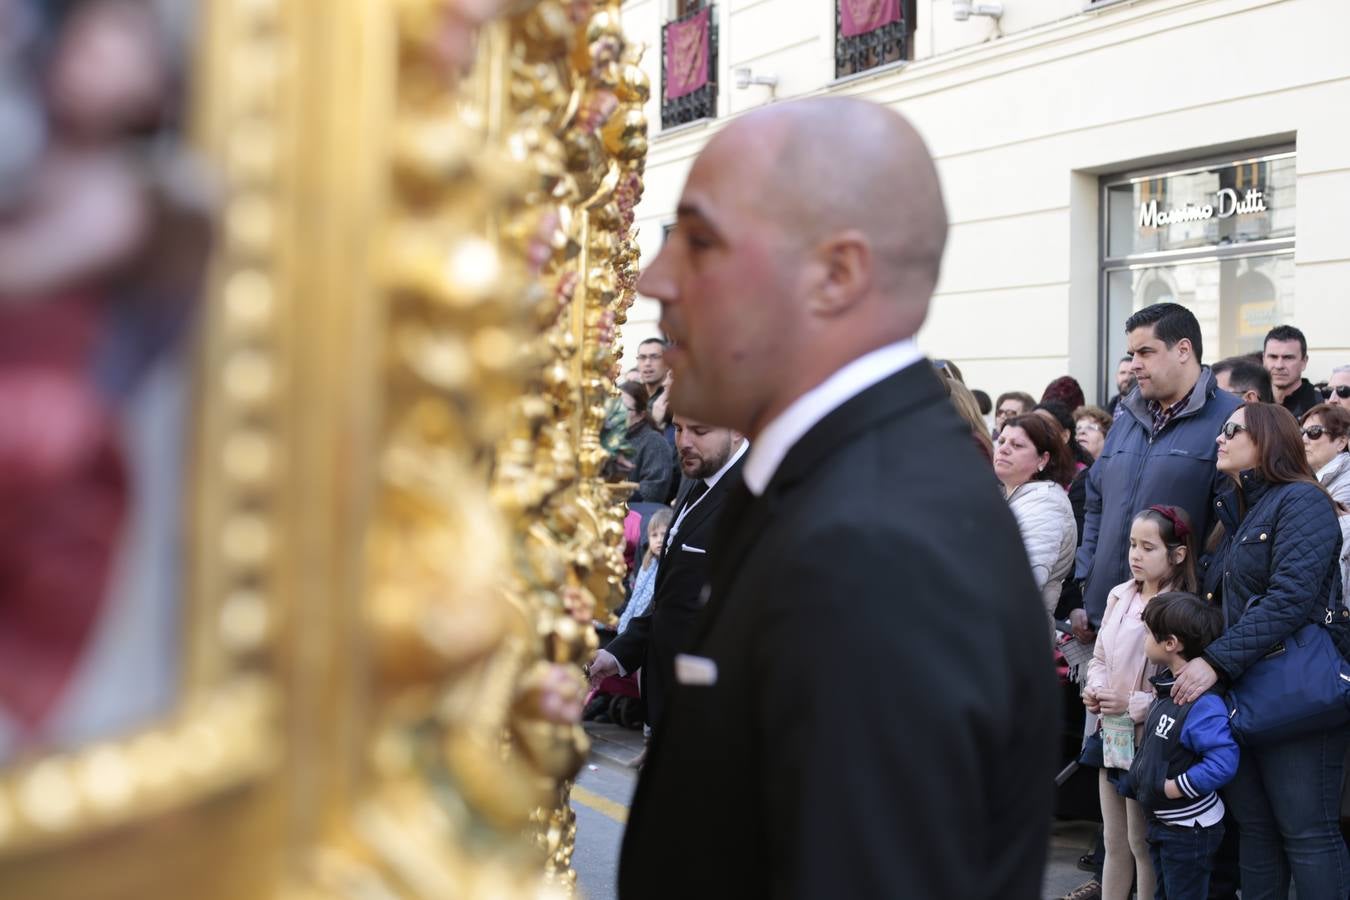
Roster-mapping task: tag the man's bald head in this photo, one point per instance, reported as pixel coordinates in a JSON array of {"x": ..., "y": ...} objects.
[
  {"x": 808, "y": 234},
  {"x": 834, "y": 164}
]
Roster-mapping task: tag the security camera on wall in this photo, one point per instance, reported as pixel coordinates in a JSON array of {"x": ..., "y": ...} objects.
[
  {"x": 964, "y": 9},
  {"x": 745, "y": 77}
]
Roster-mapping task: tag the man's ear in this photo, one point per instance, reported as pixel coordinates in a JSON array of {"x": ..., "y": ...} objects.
[{"x": 845, "y": 265}]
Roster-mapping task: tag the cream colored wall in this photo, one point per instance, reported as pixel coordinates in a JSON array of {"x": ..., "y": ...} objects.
[{"x": 1022, "y": 125}]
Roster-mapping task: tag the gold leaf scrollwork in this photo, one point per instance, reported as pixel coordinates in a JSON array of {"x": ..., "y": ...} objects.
[
  {"x": 570, "y": 564},
  {"x": 495, "y": 543}
]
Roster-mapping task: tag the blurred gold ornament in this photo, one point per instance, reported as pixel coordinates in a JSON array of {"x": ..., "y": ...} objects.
[{"x": 400, "y": 533}]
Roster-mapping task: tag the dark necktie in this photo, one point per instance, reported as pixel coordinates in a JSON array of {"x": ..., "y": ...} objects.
[{"x": 698, "y": 490}]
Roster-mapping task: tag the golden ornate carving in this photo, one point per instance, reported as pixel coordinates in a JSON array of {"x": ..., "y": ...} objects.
[
  {"x": 509, "y": 266},
  {"x": 589, "y": 151}
]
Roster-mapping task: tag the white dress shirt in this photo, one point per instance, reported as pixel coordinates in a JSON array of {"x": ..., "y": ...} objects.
[{"x": 780, "y": 435}]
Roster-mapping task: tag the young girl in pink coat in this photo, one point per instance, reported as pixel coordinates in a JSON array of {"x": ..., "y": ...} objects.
[{"x": 1162, "y": 558}]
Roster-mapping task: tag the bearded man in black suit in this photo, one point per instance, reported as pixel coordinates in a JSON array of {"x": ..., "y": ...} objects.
[
  {"x": 710, "y": 460},
  {"x": 868, "y": 708}
]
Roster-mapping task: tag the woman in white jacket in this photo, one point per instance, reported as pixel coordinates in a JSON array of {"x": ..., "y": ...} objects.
[{"x": 1033, "y": 463}]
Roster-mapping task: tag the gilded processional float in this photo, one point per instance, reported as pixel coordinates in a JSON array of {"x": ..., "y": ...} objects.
[{"x": 317, "y": 467}]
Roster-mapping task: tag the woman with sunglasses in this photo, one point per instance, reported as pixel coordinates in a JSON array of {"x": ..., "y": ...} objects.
[
  {"x": 1273, "y": 569},
  {"x": 1326, "y": 440}
]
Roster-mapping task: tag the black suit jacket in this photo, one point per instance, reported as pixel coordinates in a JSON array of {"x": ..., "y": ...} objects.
[
  {"x": 652, "y": 640},
  {"x": 883, "y": 717}
]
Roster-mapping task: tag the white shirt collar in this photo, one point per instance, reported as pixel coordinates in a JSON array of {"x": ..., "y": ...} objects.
[
  {"x": 711, "y": 480},
  {"x": 779, "y": 436}
]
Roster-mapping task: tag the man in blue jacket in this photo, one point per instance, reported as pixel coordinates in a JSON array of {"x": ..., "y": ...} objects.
[{"x": 1160, "y": 450}]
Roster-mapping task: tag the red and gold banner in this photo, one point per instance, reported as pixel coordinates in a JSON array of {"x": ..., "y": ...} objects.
[
  {"x": 861, "y": 16},
  {"x": 687, "y": 55}
]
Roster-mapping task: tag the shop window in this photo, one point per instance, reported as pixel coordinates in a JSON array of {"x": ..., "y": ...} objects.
[{"x": 1216, "y": 238}]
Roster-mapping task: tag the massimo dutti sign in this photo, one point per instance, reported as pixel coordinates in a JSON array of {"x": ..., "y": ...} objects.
[
  {"x": 1215, "y": 204},
  {"x": 1226, "y": 204}
]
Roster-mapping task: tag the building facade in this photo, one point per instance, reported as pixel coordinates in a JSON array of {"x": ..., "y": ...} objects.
[{"x": 1096, "y": 156}]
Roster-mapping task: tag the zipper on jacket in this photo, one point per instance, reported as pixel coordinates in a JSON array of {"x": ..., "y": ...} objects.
[{"x": 1223, "y": 601}]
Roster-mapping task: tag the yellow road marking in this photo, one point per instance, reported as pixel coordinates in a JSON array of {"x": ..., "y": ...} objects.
[{"x": 603, "y": 805}]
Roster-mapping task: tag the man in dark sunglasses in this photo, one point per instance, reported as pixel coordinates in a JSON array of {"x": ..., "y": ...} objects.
[{"x": 1337, "y": 391}]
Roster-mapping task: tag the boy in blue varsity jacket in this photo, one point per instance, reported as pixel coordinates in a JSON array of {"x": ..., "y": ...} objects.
[{"x": 1186, "y": 755}]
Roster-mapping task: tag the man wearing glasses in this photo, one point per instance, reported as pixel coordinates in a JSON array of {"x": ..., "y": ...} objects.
[
  {"x": 1013, "y": 403},
  {"x": 651, "y": 366}
]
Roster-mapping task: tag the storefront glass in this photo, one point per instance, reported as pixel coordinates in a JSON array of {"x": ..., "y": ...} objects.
[{"x": 1218, "y": 239}]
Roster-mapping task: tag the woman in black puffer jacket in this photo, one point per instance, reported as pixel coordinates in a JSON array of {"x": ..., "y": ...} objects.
[{"x": 1274, "y": 570}]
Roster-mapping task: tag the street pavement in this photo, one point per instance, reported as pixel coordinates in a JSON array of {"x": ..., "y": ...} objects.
[
  {"x": 600, "y": 799},
  {"x": 604, "y": 789}
]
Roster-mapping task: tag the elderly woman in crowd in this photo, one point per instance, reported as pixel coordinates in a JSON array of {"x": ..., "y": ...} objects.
[
  {"x": 1091, "y": 424},
  {"x": 1273, "y": 569},
  {"x": 1031, "y": 461},
  {"x": 1326, "y": 440}
]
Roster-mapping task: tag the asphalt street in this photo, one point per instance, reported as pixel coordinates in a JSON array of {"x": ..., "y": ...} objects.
[
  {"x": 604, "y": 788},
  {"x": 600, "y": 798}
]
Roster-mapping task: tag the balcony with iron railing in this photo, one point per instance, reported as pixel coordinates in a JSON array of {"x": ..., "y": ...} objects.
[
  {"x": 871, "y": 33},
  {"x": 689, "y": 65}
]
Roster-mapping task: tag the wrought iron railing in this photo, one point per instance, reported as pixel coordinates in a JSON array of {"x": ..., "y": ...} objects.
[
  {"x": 702, "y": 102},
  {"x": 887, "y": 44}
]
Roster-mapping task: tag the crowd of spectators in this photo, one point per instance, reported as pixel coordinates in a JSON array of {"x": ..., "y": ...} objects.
[
  {"x": 1196, "y": 521},
  {"x": 1138, "y": 518}
]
